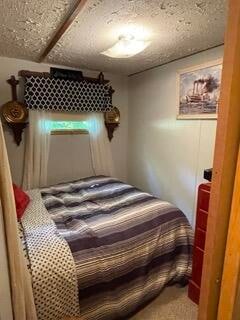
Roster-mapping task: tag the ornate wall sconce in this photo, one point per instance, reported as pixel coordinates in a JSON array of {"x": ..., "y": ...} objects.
[
  {"x": 112, "y": 121},
  {"x": 15, "y": 113}
]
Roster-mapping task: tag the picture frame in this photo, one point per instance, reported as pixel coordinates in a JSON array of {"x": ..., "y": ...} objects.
[{"x": 198, "y": 91}]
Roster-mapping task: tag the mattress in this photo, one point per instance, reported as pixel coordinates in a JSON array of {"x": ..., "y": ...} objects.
[{"x": 126, "y": 244}]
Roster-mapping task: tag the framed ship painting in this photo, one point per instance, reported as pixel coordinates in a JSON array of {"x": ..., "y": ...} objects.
[{"x": 198, "y": 91}]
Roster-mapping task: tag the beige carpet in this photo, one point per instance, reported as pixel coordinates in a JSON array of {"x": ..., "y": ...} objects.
[{"x": 172, "y": 304}]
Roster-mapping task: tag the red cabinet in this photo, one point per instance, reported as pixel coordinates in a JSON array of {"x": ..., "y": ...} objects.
[{"x": 199, "y": 241}]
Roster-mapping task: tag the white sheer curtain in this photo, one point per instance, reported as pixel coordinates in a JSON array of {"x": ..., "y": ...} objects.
[
  {"x": 37, "y": 150},
  {"x": 38, "y": 144},
  {"x": 101, "y": 154},
  {"x": 21, "y": 286},
  {"x": 102, "y": 160}
]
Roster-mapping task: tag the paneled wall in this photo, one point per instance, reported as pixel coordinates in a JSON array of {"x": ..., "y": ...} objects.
[
  {"x": 167, "y": 156},
  {"x": 79, "y": 166}
]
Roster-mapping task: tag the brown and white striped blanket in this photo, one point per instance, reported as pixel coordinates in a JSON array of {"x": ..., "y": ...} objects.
[{"x": 127, "y": 245}]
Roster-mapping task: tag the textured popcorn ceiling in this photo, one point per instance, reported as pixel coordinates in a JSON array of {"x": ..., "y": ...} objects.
[
  {"x": 176, "y": 28},
  {"x": 27, "y": 25}
]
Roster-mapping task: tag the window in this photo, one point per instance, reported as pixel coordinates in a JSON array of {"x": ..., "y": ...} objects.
[{"x": 69, "y": 127}]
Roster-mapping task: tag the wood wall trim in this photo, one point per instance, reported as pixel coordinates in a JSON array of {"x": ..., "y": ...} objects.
[
  {"x": 225, "y": 160},
  {"x": 68, "y": 132},
  {"x": 63, "y": 28},
  {"x": 26, "y": 73}
]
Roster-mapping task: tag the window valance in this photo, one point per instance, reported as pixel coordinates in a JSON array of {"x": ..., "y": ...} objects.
[{"x": 47, "y": 93}]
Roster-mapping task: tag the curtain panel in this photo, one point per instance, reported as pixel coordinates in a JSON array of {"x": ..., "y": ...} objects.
[
  {"x": 101, "y": 153},
  {"x": 37, "y": 150},
  {"x": 20, "y": 280}
]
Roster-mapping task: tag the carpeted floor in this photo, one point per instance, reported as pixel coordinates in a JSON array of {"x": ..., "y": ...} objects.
[{"x": 172, "y": 304}]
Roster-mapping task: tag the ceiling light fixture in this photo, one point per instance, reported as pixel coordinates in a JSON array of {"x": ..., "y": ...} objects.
[{"x": 126, "y": 47}]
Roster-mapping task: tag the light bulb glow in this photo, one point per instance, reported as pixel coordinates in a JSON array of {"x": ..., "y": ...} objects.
[{"x": 126, "y": 47}]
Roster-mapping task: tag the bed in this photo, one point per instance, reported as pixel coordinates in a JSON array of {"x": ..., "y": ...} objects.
[{"x": 104, "y": 244}]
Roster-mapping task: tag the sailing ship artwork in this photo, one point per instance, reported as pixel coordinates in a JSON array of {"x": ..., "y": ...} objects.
[{"x": 199, "y": 91}]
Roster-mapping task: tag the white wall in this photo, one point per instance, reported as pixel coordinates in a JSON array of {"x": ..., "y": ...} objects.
[
  {"x": 10, "y": 67},
  {"x": 167, "y": 156},
  {"x": 71, "y": 164}
]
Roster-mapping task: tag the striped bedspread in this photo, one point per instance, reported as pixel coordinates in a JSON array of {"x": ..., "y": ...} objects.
[{"x": 127, "y": 245}]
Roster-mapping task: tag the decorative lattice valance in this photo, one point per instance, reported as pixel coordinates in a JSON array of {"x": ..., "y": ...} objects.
[{"x": 46, "y": 93}]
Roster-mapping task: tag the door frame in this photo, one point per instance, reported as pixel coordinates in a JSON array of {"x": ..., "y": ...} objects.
[
  {"x": 224, "y": 169},
  {"x": 229, "y": 307}
]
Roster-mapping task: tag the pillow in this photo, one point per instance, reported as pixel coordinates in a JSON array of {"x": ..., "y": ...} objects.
[{"x": 21, "y": 200}]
